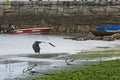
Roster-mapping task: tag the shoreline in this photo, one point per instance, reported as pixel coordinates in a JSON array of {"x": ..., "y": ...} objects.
[{"x": 101, "y": 49}]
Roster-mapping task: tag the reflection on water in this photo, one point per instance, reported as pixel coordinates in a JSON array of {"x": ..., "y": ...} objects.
[{"x": 17, "y": 55}]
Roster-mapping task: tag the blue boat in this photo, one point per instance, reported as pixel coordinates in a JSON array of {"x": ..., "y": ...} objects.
[{"x": 106, "y": 30}]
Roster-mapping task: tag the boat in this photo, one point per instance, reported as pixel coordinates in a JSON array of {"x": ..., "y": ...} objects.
[
  {"x": 101, "y": 33},
  {"x": 106, "y": 30},
  {"x": 32, "y": 31}
]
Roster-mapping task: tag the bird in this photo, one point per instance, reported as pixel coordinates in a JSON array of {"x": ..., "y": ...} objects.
[
  {"x": 68, "y": 61},
  {"x": 36, "y": 46}
]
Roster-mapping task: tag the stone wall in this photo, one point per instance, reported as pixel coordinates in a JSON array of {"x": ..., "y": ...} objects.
[
  {"x": 61, "y": 8},
  {"x": 64, "y": 17}
]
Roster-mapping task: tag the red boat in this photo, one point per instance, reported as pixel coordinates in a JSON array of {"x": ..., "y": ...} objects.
[{"x": 32, "y": 31}]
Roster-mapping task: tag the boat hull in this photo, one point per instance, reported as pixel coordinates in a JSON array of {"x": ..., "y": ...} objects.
[
  {"x": 32, "y": 31},
  {"x": 101, "y": 33},
  {"x": 106, "y": 30}
]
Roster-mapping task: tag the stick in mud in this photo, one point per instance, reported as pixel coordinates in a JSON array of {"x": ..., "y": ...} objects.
[{"x": 29, "y": 68}]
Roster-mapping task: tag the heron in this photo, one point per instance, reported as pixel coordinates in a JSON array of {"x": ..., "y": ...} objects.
[{"x": 36, "y": 46}]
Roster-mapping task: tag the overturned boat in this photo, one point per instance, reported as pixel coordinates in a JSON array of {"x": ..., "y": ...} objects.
[{"x": 106, "y": 30}]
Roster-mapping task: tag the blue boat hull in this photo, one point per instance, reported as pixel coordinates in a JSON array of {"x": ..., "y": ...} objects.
[
  {"x": 100, "y": 33},
  {"x": 106, "y": 30}
]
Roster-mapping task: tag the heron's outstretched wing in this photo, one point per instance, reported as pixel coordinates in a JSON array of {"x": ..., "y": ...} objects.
[{"x": 52, "y": 44}]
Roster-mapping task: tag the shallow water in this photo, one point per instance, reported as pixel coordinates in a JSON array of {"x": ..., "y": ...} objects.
[{"x": 16, "y": 53}]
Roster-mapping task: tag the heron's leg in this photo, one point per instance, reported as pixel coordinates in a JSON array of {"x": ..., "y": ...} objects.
[{"x": 39, "y": 51}]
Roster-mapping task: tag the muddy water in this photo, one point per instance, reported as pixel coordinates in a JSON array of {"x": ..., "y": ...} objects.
[{"x": 17, "y": 59}]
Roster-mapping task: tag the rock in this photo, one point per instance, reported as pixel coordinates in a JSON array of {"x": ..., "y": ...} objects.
[
  {"x": 116, "y": 36},
  {"x": 112, "y": 37}
]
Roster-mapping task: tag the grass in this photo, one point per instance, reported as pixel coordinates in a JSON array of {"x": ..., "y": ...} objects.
[
  {"x": 109, "y": 70},
  {"x": 96, "y": 54}
]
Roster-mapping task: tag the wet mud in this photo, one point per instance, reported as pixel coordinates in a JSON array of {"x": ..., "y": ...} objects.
[
  {"x": 29, "y": 65},
  {"x": 35, "y": 65},
  {"x": 50, "y": 55},
  {"x": 10, "y": 61}
]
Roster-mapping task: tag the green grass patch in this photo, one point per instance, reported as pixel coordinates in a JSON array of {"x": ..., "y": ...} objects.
[
  {"x": 109, "y": 70},
  {"x": 95, "y": 54}
]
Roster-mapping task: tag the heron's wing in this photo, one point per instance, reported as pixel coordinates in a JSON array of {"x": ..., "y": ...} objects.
[{"x": 52, "y": 44}]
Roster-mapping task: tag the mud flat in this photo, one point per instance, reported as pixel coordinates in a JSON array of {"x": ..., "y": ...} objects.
[
  {"x": 50, "y": 55},
  {"x": 18, "y": 60},
  {"x": 35, "y": 65}
]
